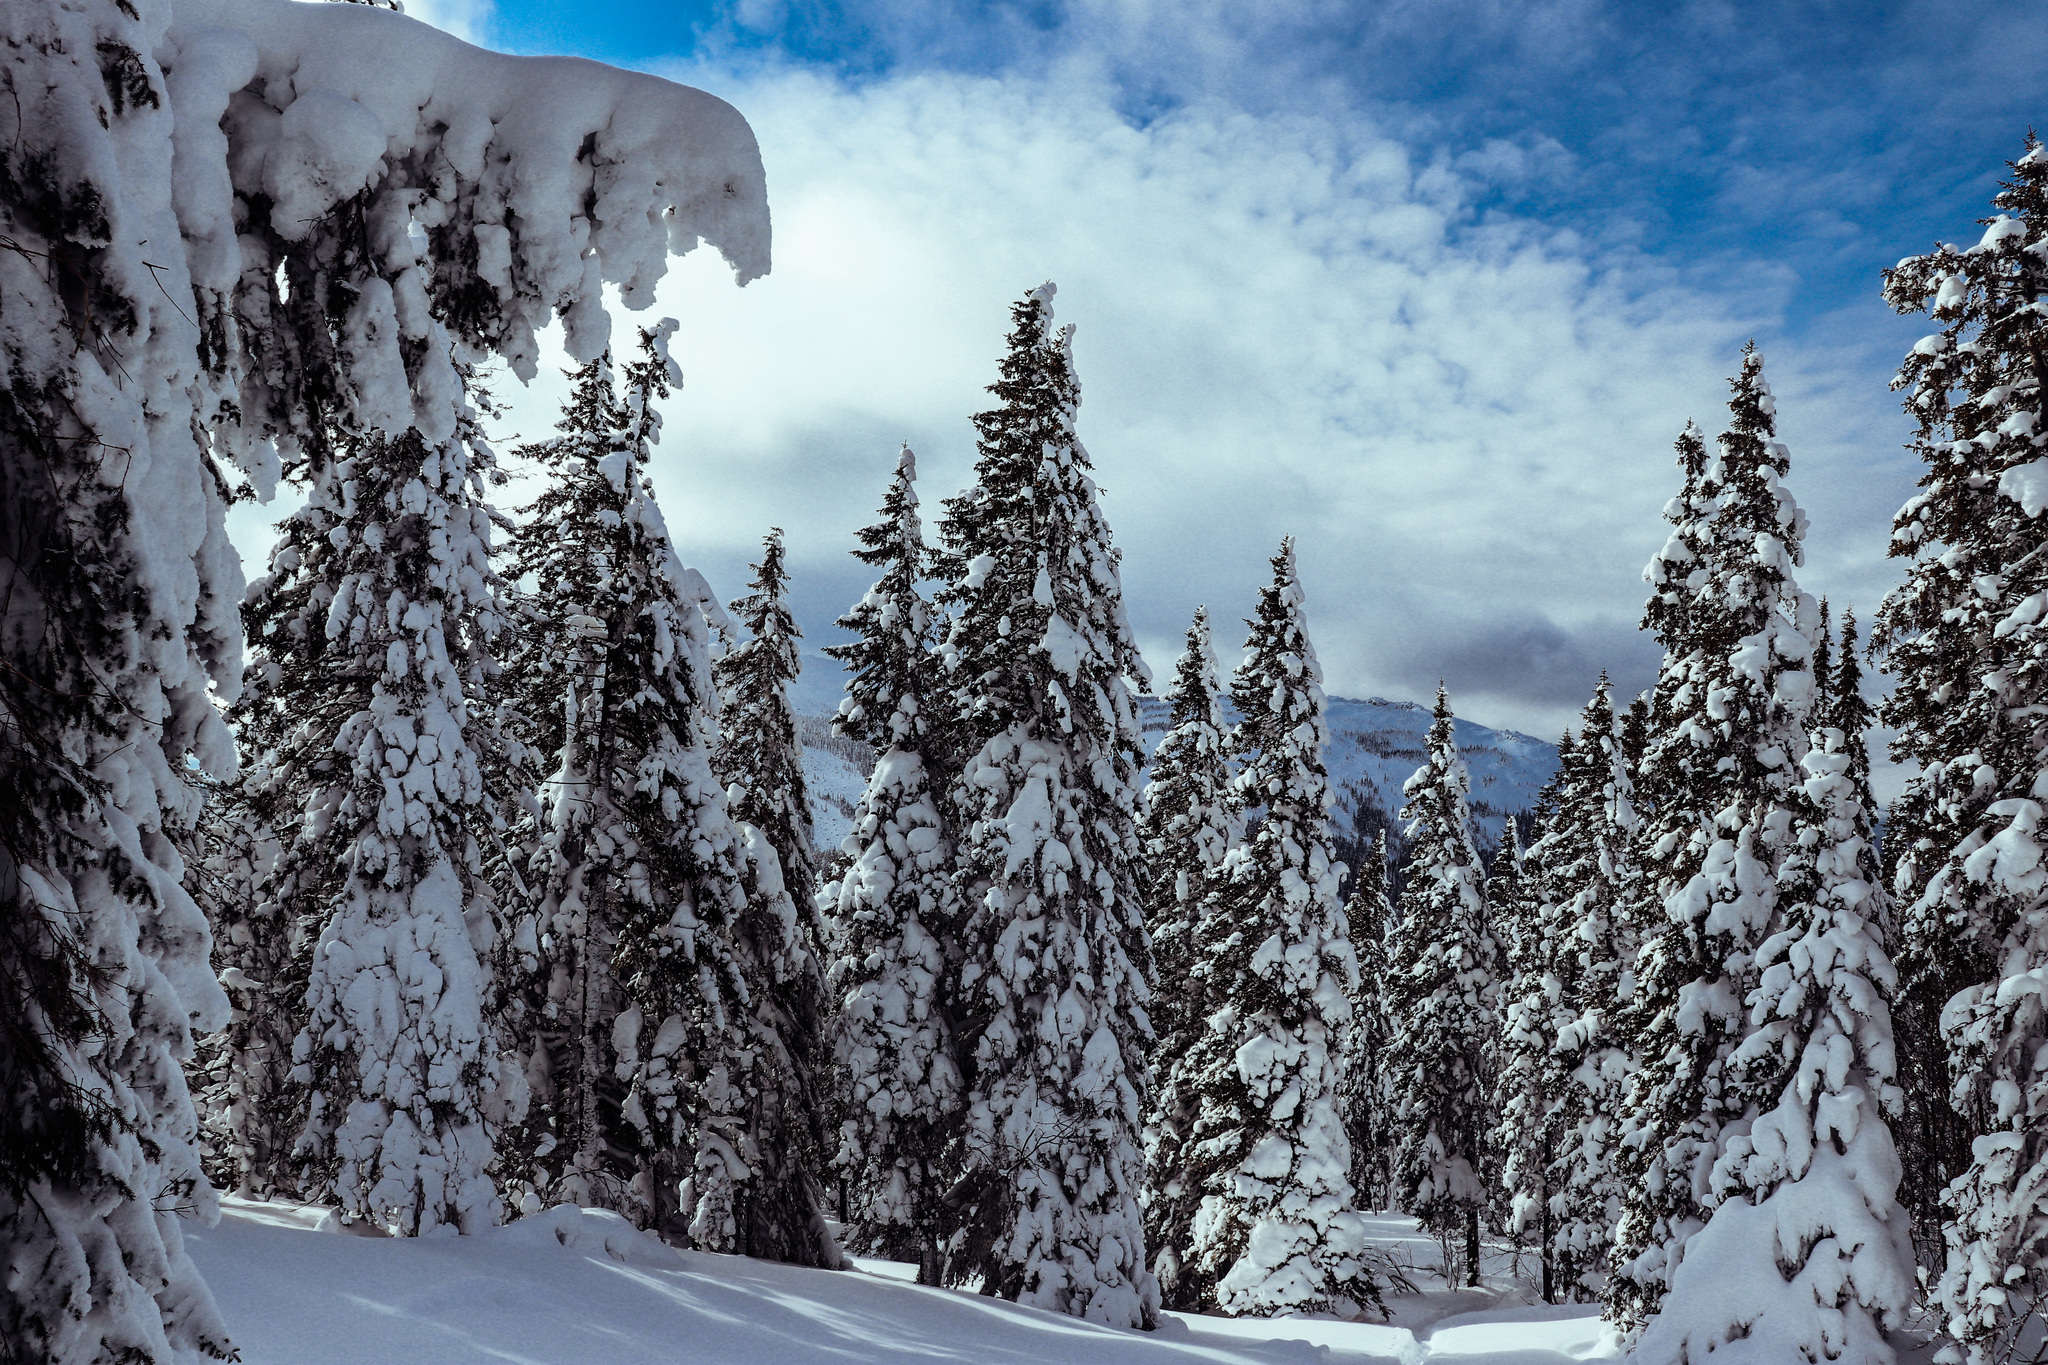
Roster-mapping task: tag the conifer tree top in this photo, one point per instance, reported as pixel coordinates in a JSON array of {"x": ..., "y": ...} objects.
[{"x": 886, "y": 703}]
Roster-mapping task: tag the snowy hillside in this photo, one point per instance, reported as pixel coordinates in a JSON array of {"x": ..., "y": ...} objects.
[{"x": 579, "y": 1287}]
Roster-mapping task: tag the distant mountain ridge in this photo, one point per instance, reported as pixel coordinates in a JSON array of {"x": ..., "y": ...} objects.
[{"x": 1375, "y": 747}]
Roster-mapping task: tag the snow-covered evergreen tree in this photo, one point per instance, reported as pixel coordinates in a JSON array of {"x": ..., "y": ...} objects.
[
  {"x": 636, "y": 877},
  {"x": 1442, "y": 985},
  {"x": 1595, "y": 864},
  {"x": 117, "y": 593},
  {"x": 759, "y": 755},
  {"x": 1527, "y": 898},
  {"x": 1805, "y": 1183},
  {"x": 895, "y": 917},
  {"x": 762, "y": 1147},
  {"x": 153, "y": 189},
  {"x": 1362, "y": 1084},
  {"x": 1039, "y": 665},
  {"x": 383, "y": 591},
  {"x": 1275, "y": 1231},
  {"x": 1963, "y": 637},
  {"x": 1729, "y": 731},
  {"x": 1188, "y": 824},
  {"x": 249, "y": 1109}
]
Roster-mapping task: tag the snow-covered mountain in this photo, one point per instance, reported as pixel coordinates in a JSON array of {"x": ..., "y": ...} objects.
[{"x": 1375, "y": 746}]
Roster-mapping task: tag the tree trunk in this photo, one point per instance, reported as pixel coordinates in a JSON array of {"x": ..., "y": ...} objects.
[{"x": 1472, "y": 1246}]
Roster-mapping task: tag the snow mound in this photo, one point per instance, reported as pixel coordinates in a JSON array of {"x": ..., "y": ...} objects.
[{"x": 580, "y": 1286}]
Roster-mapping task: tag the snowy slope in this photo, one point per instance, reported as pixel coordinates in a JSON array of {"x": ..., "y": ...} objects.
[{"x": 582, "y": 1288}]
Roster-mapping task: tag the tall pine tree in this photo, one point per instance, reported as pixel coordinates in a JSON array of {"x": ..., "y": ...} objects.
[
  {"x": 759, "y": 755},
  {"x": 895, "y": 915},
  {"x": 1730, "y": 716},
  {"x": 1040, "y": 662},
  {"x": 383, "y": 599},
  {"x": 761, "y": 1145},
  {"x": 1963, "y": 637},
  {"x": 1529, "y": 906},
  {"x": 1276, "y": 1232},
  {"x": 117, "y": 593},
  {"x": 1595, "y": 867},
  {"x": 1362, "y": 1086},
  {"x": 1442, "y": 984},
  {"x": 1189, "y": 824},
  {"x": 636, "y": 873}
]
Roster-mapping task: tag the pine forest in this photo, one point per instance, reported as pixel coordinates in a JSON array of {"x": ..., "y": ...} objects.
[{"x": 453, "y": 880}]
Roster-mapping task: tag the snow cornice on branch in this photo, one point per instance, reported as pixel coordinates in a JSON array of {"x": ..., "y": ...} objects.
[{"x": 565, "y": 173}]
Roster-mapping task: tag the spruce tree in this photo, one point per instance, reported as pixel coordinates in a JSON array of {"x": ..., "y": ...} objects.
[
  {"x": 1442, "y": 983},
  {"x": 383, "y": 608},
  {"x": 249, "y": 1109},
  {"x": 1362, "y": 1084},
  {"x": 761, "y": 1144},
  {"x": 1189, "y": 824},
  {"x": 895, "y": 916},
  {"x": 1528, "y": 899},
  {"x": 1039, "y": 663},
  {"x": 1730, "y": 716},
  {"x": 1963, "y": 638},
  {"x": 635, "y": 874},
  {"x": 759, "y": 755},
  {"x": 1594, "y": 866},
  {"x": 1806, "y": 1184},
  {"x": 1276, "y": 1232}
]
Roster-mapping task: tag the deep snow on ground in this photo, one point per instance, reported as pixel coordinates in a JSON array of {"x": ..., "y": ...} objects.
[{"x": 583, "y": 1287}]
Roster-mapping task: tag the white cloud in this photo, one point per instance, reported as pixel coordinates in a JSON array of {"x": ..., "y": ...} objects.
[{"x": 1286, "y": 325}]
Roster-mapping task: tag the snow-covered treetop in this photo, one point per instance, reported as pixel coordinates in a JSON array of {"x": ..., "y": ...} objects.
[{"x": 887, "y": 702}]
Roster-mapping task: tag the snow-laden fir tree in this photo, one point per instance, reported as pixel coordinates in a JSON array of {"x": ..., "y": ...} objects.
[
  {"x": 635, "y": 875},
  {"x": 761, "y": 1146},
  {"x": 1039, "y": 665},
  {"x": 1362, "y": 1084},
  {"x": 1594, "y": 863},
  {"x": 1805, "y": 1183},
  {"x": 895, "y": 917},
  {"x": 1189, "y": 823},
  {"x": 1276, "y": 1231},
  {"x": 759, "y": 755},
  {"x": 1963, "y": 636},
  {"x": 150, "y": 343},
  {"x": 377, "y": 625},
  {"x": 117, "y": 593},
  {"x": 1526, "y": 897},
  {"x": 1442, "y": 987},
  {"x": 1729, "y": 732}
]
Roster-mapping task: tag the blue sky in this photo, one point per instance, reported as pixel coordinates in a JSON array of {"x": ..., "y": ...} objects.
[{"x": 1431, "y": 286}]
